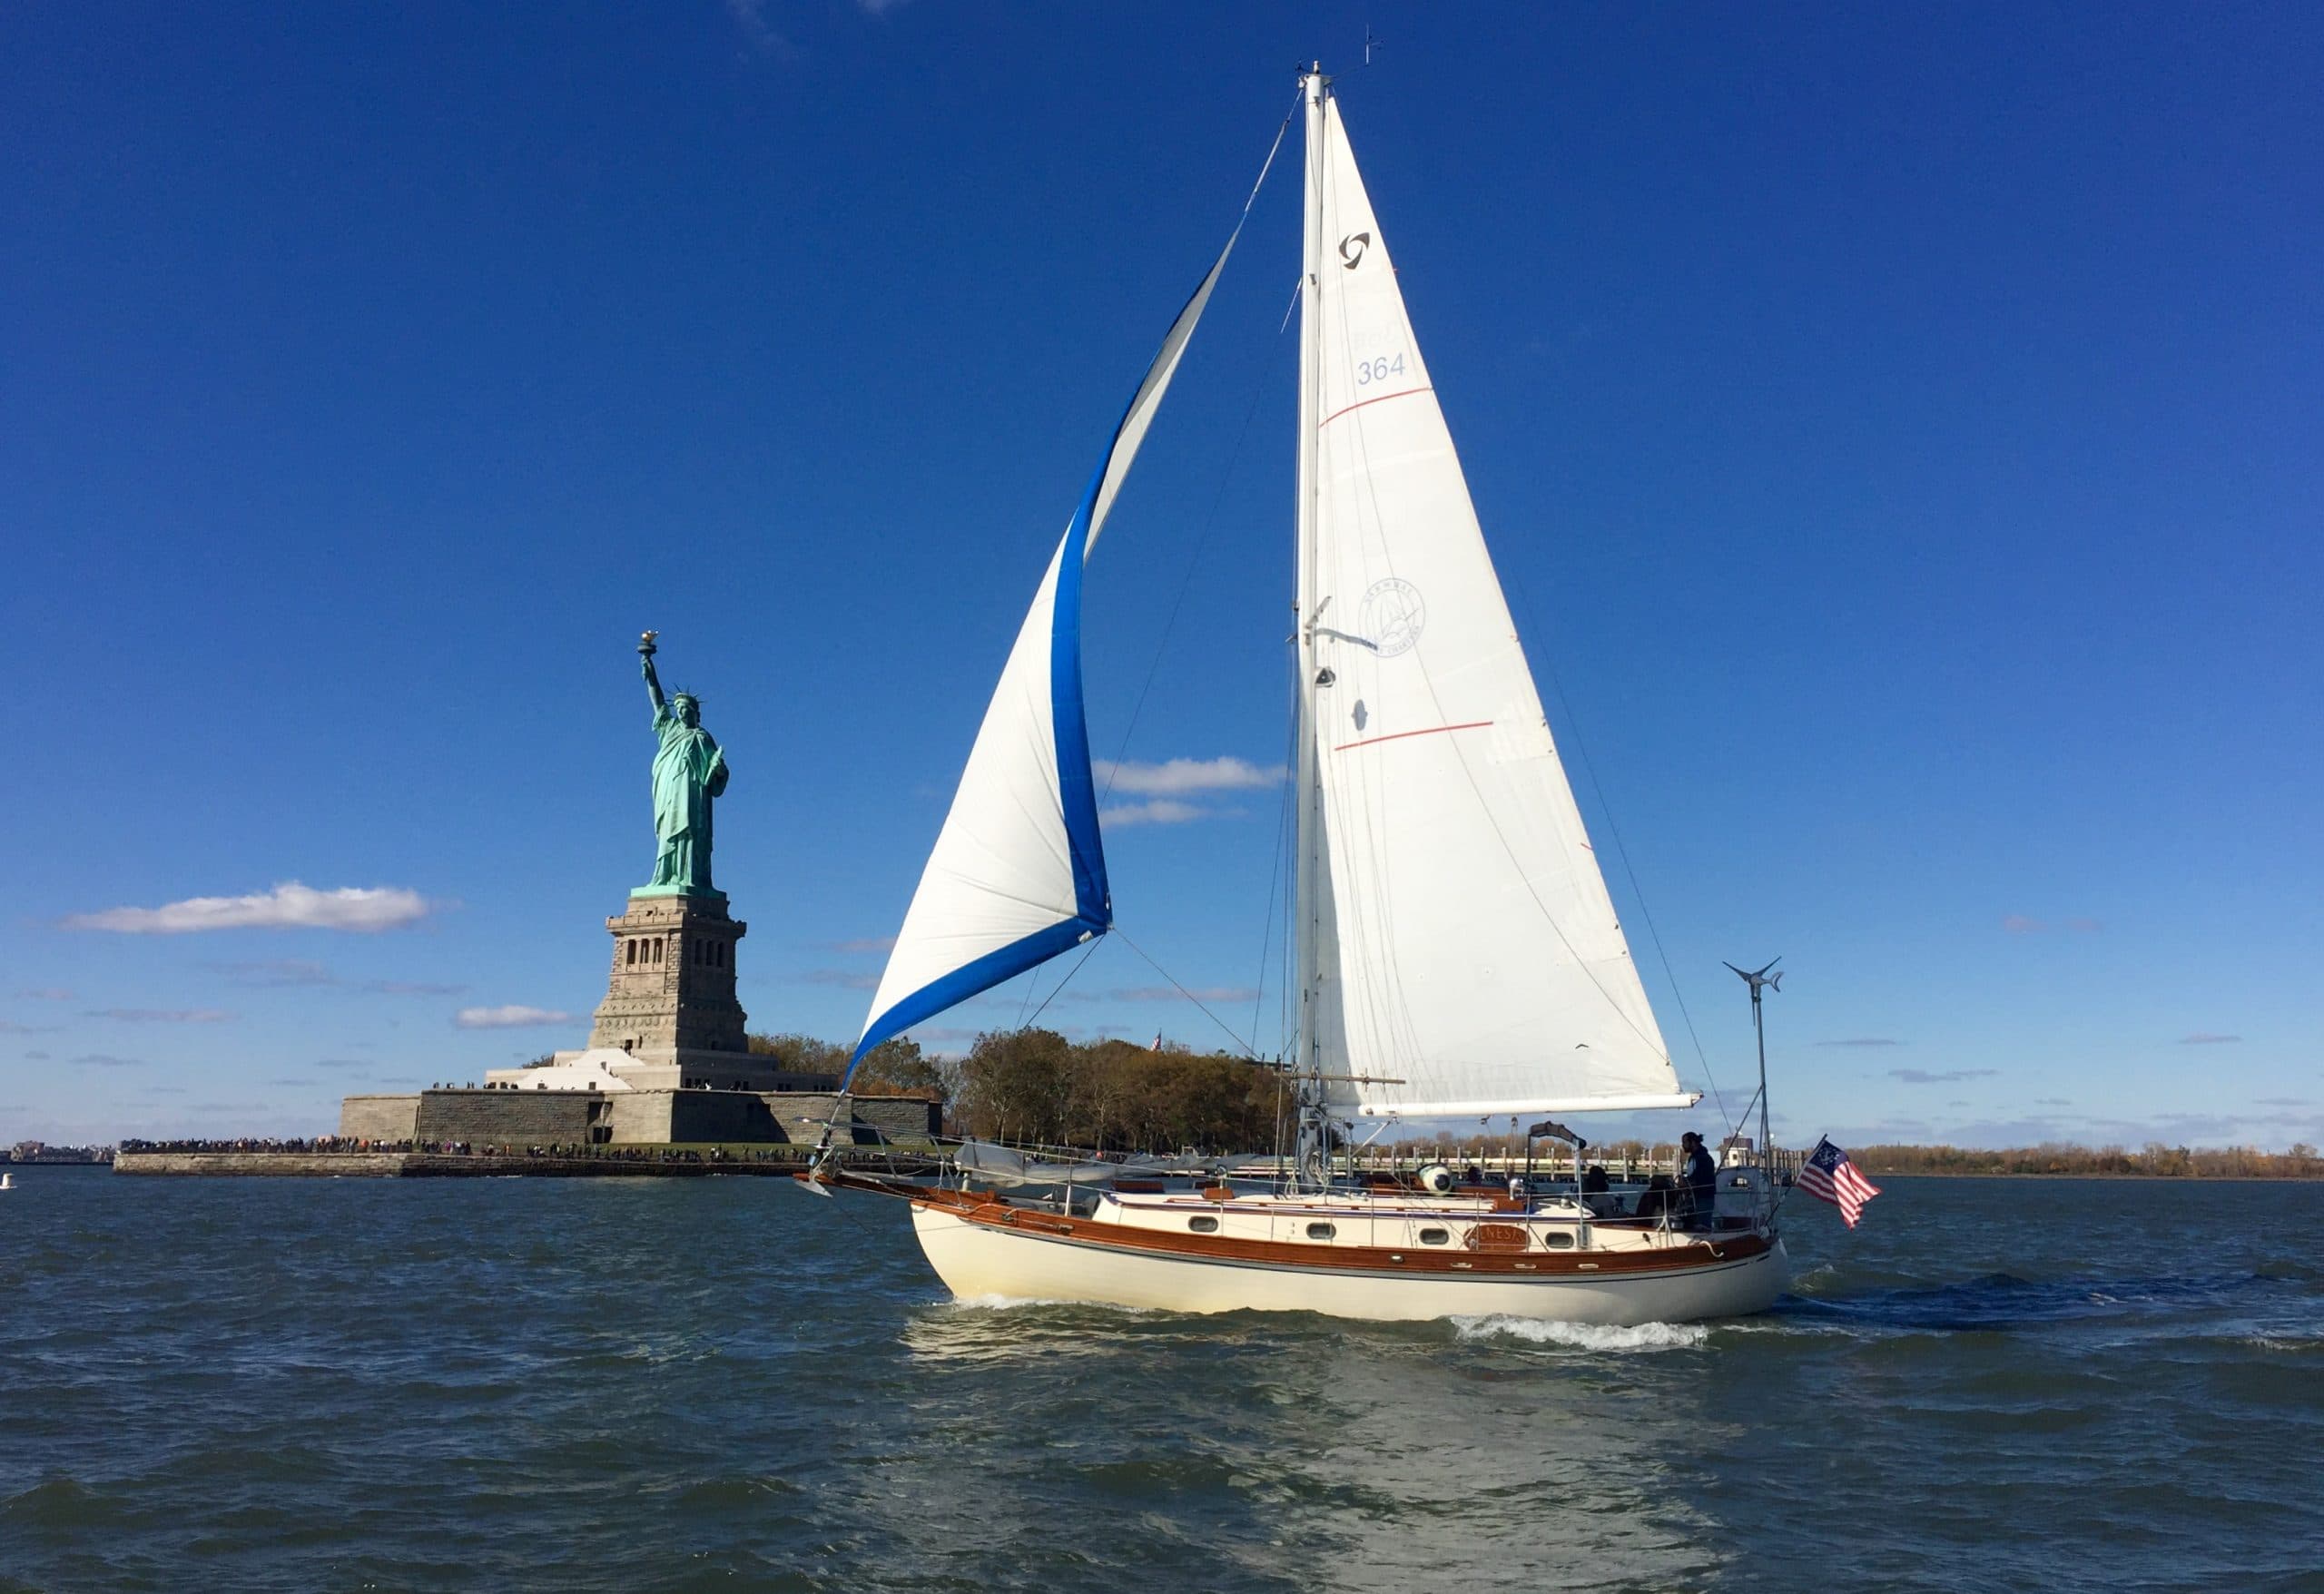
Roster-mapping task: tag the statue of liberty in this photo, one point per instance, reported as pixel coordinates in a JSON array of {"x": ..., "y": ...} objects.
[{"x": 689, "y": 771}]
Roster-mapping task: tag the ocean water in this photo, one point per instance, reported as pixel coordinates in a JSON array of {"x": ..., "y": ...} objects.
[{"x": 724, "y": 1384}]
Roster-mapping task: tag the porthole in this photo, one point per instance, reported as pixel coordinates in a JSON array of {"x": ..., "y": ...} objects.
[
  {"x": 1203, "y": 1226},
  {"x": 1321, "y": 1231},
  {"x": 1435, "y": 1237},
  {"x": 1557, "y": 1242}
]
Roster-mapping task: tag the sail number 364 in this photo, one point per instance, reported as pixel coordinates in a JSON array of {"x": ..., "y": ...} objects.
[{"x": 1368, "y": 371}]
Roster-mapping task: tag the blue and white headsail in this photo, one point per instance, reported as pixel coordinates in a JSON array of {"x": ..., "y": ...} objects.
[{"x": 1019, "y": 872}]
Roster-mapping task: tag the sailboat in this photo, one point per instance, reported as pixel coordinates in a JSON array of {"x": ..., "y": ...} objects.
[{"x": 1458, "y": 954}]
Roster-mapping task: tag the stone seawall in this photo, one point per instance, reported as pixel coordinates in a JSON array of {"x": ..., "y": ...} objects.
[{"x": 492, "y": 1116}]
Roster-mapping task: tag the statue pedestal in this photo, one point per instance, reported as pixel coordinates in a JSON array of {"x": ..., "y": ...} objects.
[
  {"x": 694, "y": 893},
  {"x": 669, "y": 1002}
]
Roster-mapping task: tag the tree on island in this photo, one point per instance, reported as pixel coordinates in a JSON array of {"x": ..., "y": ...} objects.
[
  {"x": 1035, "y": 1086},
  {"x": 893, "y": 1067}
]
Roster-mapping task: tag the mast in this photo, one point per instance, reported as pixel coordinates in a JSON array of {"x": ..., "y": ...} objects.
[
  {"x": 1759, "y": 980},
  {"x": 1314, "y": 1144}
]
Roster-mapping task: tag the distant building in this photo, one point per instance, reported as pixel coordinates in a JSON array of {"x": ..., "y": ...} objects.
[{"x": 35, "y": 1151}]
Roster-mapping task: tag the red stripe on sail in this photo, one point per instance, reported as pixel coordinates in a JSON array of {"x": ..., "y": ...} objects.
[
  {"x": 1399, "y": 736},
  {"x": 1360, "y": 403}
]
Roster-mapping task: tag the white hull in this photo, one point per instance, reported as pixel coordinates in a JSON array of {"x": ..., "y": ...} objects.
[{"x": 977, "y": 1260}]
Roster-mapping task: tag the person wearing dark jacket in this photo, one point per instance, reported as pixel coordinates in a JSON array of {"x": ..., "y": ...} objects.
[{"x": 1698, "y": 1178}]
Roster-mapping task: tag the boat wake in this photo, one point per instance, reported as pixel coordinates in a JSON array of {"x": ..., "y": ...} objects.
[
  {"x": 1584, "y": 1336},
  {"x": 2264, "y": 1307},
  {"x": 1011, "y": 1302}
]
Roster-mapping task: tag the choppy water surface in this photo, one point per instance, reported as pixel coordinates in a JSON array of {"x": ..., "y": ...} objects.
[{"x": 725, "y": 1383}]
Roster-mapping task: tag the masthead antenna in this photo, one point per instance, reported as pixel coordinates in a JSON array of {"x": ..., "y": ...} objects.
[{"x": 1767, "y": 977}]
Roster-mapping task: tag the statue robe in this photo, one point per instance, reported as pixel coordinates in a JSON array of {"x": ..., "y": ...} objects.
[{"x": 689, "y": 770}]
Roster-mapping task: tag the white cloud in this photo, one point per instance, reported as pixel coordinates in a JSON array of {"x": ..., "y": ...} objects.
[
  {"x": 1160, "y": 811},
  {"x": 863, "y": 944},
  {"x": 513, "y": 1016},
  {"x": 1182, "y": 777},
  {"x": 1862, "y": 1040},
  {"x": 1167, "y": 993},
  {"x": 288, "y": 906},
  {"x": 48, "y": 993},
  {"x": 293, "y": 971},
  {"x": 2205, "y": 1038},
  {"x": 848, "y": 978},
  {"x": 276, "y": 972},
  {"x": 750, "y": 17},
  {"x": 162, "y": 1015}
]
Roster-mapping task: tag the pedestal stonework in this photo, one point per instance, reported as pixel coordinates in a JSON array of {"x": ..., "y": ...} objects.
[{"x": 670, "y": 1002}]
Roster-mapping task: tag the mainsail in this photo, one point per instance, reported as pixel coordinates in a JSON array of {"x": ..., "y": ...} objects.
[
  {"x": 1469, "y": 959},
  {"x": 1018, "y": 873}
]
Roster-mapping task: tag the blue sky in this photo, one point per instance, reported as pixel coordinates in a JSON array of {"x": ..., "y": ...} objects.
[{"x": 1898, "y": 433}]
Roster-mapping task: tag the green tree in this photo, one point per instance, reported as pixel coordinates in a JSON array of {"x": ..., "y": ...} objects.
[
  {"x": 1015, "y": 1084},
  {"x": 898, "y": 1067},
  {"x": 801, "y": 1053}
]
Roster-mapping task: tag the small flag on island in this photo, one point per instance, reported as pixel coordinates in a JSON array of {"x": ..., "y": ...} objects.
[{"x": 1828, "y": 1175}]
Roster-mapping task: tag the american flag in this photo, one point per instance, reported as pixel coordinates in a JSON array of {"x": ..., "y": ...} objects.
[{"x": 1828, "y": 1175}]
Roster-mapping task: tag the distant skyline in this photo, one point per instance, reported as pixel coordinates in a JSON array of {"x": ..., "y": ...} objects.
[{"x": 1897, "y": 433}]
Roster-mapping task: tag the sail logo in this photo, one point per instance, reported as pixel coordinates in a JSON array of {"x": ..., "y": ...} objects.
[
  {"x": 1392, "y": 616},
  {"x": 1352, "y": 249}
]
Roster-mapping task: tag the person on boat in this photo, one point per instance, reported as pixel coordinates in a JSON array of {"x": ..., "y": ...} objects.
[
  {"x": 1698, "y": 1178},
  {"x": 1596, "y": 1192}
]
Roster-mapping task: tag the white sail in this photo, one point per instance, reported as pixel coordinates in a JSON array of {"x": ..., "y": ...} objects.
[
  {"x": 1477, "y": 962},
  {"x": 1018, "y": 874}
]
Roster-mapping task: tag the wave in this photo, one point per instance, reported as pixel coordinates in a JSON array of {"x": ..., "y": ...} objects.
[
  {"x": 2004, "y": 1301},
  {"x": 1585, "y": 1336},
  {"x": 1011, "y": 1302}
]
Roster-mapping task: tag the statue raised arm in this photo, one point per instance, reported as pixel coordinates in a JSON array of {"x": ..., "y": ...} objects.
[{"x": 646, "y": 651}]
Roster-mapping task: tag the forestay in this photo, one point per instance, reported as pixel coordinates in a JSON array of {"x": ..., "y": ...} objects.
[
  {"x": 1018, "y": 873},
  {"x": 1477, "y": 959}
]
